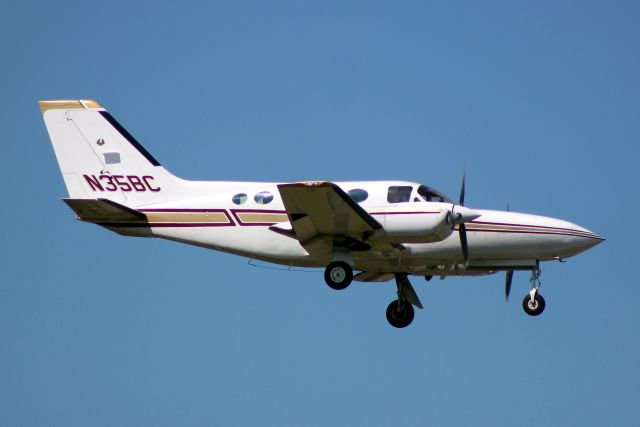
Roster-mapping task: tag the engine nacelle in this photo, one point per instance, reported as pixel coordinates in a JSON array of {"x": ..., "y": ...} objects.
[{"x": 414, "y": 227}]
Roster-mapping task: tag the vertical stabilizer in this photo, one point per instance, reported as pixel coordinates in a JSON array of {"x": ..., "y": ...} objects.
[{"x": 100, "y": 159}]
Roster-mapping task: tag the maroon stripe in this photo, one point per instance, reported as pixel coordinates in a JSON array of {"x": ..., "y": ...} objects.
[
  {"x": 233, "y": 212},
  {"x": 163, "y": 224},
  {"x": 169, "y": 210},
  {"x": 258, "y": 211},
  {"x": 253, "y": 224},
  {"x": 189, "y": 224},
  {"x": 559, "y": 233},
  {"x": 182, "y": 210},
  {"x": 528, "y": 225},
  {"x": 402, "y": 213}
]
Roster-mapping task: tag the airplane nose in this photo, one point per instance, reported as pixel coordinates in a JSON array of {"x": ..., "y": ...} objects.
[{"x": 581, "y": 239}]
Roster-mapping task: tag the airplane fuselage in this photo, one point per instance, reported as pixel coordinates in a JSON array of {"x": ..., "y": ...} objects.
[{"x": 497, "y": 239}]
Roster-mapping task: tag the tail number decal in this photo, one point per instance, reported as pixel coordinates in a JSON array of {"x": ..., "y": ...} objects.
[{"x": 121, "y": 182}]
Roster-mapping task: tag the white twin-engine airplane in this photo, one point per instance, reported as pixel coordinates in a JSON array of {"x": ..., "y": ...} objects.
[{"x": 382, "y": 230}]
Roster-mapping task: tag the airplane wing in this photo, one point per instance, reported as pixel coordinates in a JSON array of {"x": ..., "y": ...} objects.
[{"x": 321, "y": 213}]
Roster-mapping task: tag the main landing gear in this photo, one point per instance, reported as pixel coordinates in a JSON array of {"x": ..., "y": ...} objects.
[
  {"x": 400, "y": 312},
  {"x": 338, "y": 275},
  {"x": 533, "y": 303}
]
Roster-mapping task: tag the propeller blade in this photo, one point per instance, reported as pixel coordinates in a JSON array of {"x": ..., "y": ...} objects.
[
  {"x": 464, "y": 176},
  {"x": 507, "y": 288},
  {"x": 463, "y": 243}
]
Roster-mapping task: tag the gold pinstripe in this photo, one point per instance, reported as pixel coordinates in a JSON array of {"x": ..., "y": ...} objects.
[
  {"x": 210, "y": 217},
  {"x": 66, "y": 104},
  {"x": 257, "y": 217}
]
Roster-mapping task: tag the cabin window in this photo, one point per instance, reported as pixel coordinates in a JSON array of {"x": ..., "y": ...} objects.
[
  {"x": 239, "y": 199},
  {"x": 399, "y": 194},
  {"x": 358, "y": 195},
  {"x": 263, "y": 197}
]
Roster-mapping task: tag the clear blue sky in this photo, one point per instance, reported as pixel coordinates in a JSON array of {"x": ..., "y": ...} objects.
[{"x": 540, "y": 101}]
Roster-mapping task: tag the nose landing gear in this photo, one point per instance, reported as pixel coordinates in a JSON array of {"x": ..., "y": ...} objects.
[{"x": 533, "y": 303}]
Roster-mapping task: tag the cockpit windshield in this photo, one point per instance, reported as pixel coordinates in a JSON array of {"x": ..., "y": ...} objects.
[{"x": 430, "y": 195}]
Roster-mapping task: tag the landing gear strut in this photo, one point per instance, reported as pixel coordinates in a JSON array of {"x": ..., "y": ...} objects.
[
  {"x": 533, "y": 303},
  {"x": 338, "y": 275}
]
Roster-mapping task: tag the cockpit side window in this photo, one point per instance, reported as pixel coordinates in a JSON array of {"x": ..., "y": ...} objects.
[
  {"x": 430, "y": 195},
  {"x": 399, "y": 194}
]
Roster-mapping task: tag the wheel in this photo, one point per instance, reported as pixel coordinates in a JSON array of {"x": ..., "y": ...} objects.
[
  {"x": 428, "y": 277},
  {"x": 535, "y": 307},
  {"x": 338, "y": 275},
  {"x": 400, "y": 318}
]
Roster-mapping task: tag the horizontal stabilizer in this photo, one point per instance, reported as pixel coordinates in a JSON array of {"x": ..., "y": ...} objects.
[{"x": 103, "y": 210}]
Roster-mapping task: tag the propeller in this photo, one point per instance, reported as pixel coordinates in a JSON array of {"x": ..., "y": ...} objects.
[
  {"x": 507, "y": 287},
  {"x": 462, "y": 230},
  {"x": 460, "y": 216}
]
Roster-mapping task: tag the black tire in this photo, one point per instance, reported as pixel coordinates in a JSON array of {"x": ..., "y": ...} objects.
[
  {"x": 535, "y": 307},
  {"x": 402, "y": 318},
  {"x": 428, "y": 277},
  {"x": 338, "y": 275}
]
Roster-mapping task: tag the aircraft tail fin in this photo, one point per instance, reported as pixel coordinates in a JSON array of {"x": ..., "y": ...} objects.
[{"x": 100, "y": 159}]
